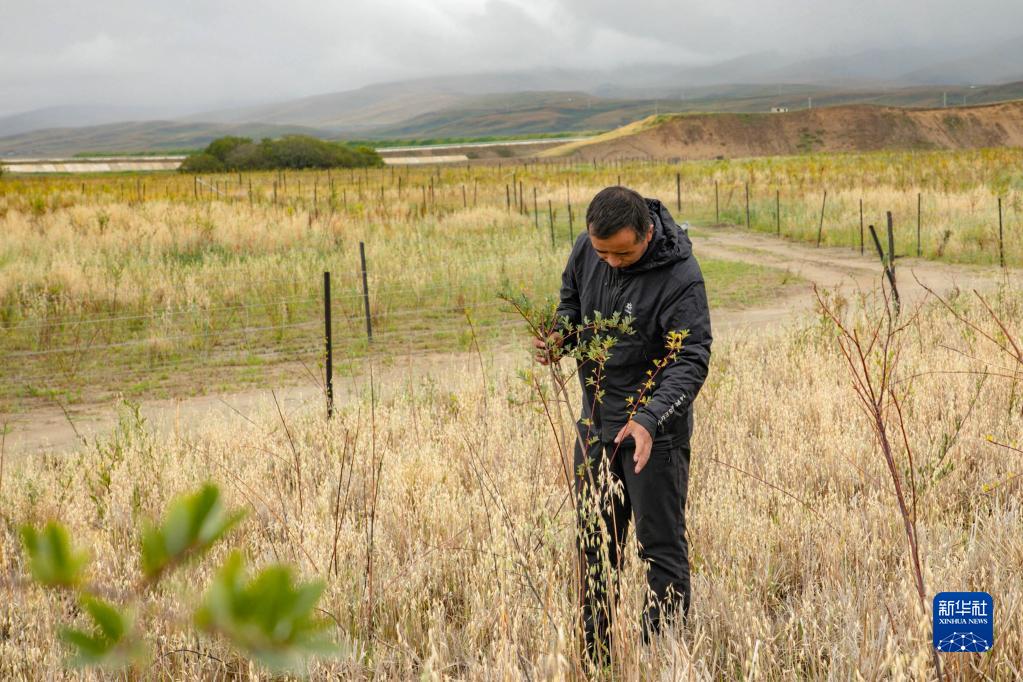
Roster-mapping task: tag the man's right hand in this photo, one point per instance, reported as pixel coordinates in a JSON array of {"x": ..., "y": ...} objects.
[{"x": 543, "y": 348}]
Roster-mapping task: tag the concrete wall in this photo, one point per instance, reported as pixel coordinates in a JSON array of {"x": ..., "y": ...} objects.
[{"x": 98, "y": 165}]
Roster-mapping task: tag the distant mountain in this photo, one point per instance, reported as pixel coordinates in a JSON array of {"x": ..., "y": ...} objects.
[
  {"x": 525, "y": 113},
  {"x": 136, "y": 136},
  {"x": 995, "y": 64},
  {"x": 865, "y": 68},
  {"x": 350, "y": 110},
  {"x": 387, "y": 105},
  {"x": 69, "y": 116},
  {"x": 550, "y": 100},
  {"x": 389, "y": 108},
  {"x": 505, "y": 114}
]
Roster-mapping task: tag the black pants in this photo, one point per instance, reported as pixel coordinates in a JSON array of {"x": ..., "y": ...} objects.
[{"x": 606, "y": 498}]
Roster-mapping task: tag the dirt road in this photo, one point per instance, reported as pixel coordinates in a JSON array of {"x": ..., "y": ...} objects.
[{"x": 842, "y": 270}]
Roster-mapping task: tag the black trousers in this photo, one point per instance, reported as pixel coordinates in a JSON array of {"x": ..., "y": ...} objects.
[{"x": 608, "y": 493}]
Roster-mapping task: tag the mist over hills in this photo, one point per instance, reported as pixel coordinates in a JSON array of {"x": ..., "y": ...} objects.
[{"x": 542, "y": 100}]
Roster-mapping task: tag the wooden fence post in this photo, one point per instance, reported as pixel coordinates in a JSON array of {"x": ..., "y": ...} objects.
[
  {"x": 717, "y": 205},
  {"x": 777, "y": 211},
  {"x": 1001, "y": 246},
  {"x": 919, "y": 204},
  {"x": 820, "y": 227},
  {"x": 861, "y": 226},
  {"x": 747, "y": 207}
]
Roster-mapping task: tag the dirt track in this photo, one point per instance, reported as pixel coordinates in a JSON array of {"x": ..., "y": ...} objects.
[{"x": 843, "y": 270}]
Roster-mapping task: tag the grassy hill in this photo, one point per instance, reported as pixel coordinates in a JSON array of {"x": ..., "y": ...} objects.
[
  {"x": 157, "y": 136},
  {"x": 509, "y": 114}
]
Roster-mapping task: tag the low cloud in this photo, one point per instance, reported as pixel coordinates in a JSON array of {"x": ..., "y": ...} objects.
[{"x": 194, "y": 54}]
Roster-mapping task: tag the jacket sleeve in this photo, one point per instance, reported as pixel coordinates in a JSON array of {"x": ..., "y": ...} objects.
[
  {"x": 678, "y": 383},
  {"x": 569, "y": 305}
]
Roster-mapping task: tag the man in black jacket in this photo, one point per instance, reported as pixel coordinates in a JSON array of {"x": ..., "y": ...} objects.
[{"x": 634, "y": 260}]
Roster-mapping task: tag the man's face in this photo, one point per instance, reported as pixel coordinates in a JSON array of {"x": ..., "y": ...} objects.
[{"x": 623, "y": 248}]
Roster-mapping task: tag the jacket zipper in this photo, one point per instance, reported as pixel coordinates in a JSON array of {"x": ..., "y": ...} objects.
[{"x": 616, "y": 291}]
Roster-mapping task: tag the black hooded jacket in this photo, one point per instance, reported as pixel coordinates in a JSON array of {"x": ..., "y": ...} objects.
[{"x": 663, "y": 291}]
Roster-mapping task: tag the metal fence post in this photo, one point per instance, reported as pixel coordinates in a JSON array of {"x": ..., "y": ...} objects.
[
  {"x": 330, "y": 346},
  {"x": 365, "y": 291},
  {"x": 891, "y": 240},
  {"x": 891, "y": 262},
  {"x": 889, "y": 270}
]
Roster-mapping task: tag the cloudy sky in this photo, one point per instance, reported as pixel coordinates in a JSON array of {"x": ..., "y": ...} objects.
[{"x": 195, "y": 54}]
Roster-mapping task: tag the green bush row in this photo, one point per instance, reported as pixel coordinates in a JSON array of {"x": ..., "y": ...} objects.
[{"x": 291, "y": 151}]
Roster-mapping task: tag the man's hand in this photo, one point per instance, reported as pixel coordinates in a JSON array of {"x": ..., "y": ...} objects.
[
  {"x": 543, "y": 348},
  {"x": 644, "y": 442}
]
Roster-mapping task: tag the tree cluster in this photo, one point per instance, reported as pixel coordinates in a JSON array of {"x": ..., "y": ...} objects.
[{"x": 291, "y": 151}]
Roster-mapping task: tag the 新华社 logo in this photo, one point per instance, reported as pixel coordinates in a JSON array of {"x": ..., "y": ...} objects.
[{"x": 964, "y": 622}]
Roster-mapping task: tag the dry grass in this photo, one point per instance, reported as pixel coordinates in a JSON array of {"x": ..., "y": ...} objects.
[
  {"x": 799, "y": 556},
  {"x": 98, "y": 295}
]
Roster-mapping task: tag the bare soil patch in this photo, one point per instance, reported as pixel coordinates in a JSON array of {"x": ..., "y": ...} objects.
[{"x": 855, "y": 128}]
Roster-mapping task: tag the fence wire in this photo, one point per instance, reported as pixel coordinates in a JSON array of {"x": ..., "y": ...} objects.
[{"x": 241, "y": 354}]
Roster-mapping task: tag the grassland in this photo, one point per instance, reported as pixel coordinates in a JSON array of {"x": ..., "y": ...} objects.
[
  {"x": 798, "y": 553},
  {"x": 798, "y": 550},
  {"x": 140, "y": 283}
]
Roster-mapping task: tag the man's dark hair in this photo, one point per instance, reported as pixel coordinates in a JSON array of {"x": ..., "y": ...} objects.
[{"x": 615, "y": 208}]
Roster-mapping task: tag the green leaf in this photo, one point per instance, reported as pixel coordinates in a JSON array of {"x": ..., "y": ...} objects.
[
  {"x": 87, "y": 648},
  {"x": 52, "y": 561},
  {"x": 110, "y": 621},
  {"x": 270, "y": 617},
  {"x": 191, "y": 525},
  {"x": 111, "y": 644},
  {"x": 154, "y": 554}
]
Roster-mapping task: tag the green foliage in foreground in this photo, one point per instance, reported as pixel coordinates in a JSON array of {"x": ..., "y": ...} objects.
[
  {"x": 52, "y": 562},
  {"x": 291, "y": 151},
  {"x": 192, "y": 525},
  {"x": 111, "y": 644},
  {"x": 268, "y": 617}
]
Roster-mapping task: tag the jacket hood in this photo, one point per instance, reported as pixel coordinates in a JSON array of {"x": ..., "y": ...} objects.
[{"x": 669, "y": 244}]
